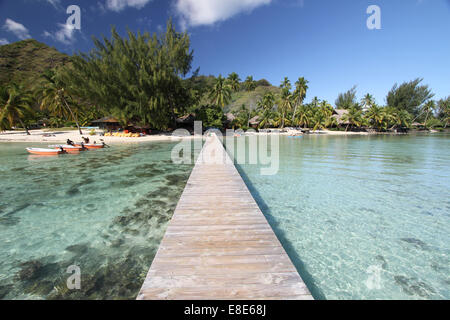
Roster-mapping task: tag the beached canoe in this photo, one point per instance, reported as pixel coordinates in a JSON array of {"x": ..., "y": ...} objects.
[{"x": 45, "y": 152}]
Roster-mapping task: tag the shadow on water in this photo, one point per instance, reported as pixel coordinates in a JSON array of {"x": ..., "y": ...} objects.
[{"x": 298, "y": 263}]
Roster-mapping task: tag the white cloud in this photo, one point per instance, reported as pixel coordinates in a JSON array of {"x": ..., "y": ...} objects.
[
  {"x": 207, "y": 12},
  {"x": 3, "y": 41},
  {"x": 65, "y": 34},
  {"x": 17, "y": 29},
  {"x": 119, "y": 5}
]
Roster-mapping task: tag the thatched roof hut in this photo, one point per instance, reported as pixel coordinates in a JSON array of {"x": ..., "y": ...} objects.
[
  {"x": 338, "y": 114},
  {"x": 255, "y": 121},
  {"x": 186, "y": 120},
  {"x": 230, "y": 117},
  {"x": 106, "y": 122}
]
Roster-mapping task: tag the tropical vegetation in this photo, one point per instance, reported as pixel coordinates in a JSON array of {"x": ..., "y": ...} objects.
[{"x": 142, "y": 79}]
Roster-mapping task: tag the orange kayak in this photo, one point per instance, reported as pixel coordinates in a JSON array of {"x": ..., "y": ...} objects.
[
  {"x": 44, "y": 152},
  {"x": 91, "y": 146},
  {"x": 68, "y": 148}
]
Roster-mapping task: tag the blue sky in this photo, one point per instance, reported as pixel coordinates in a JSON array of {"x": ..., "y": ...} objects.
[{"x": 326, "y": 41}]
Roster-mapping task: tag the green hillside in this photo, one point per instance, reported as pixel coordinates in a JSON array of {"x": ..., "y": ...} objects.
[
  {"x": 249, "y": 98},
  {"x": 26, "y": 60}
]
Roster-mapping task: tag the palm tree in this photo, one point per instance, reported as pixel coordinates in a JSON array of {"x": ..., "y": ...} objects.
[
  {"x": 266, "y": 118},
  {"x": 398, "y": 118},
  {"x": 265, "y": 105},
  {"x": 4, "y": 96},
  {"x": 327, "y": 110},
  {"x": 286, "y": 83},
  {"x": 354, "y": 117},
  {"x": 55, "y": 98},
  {"x": 305, "y": 116},
  {"x": 243, "y": 117},
  {"x": 376, "y": 116},
  {"x": 428, "y": 108},
  {"x": 234, "y": 81},
  {"x": 301, "y": 86},
  {"x": 315, "y": 102},
  {"x": 267, "y": 101},
  {"x": 220, "y": 94},
  {"x": 318, "y": 120},
  {"x": 443, "y": 107},
  {"x": 285, "y": 105},
  {"x": 322, "y": 116},
  {"x": 249, "y": 84},
  {"x": 15, "y": 106},
  {"x": 367, "y": 102},
  {"x": 446, "y": 115}
]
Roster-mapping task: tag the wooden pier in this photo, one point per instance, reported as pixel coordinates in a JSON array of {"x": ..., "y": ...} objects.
[{"x": 218, "y": 245}]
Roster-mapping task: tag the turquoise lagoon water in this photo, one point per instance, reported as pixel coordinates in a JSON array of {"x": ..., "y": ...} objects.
[
  {"x": 364, "y": 217},
  {"x": 102, "y": 210},
  {"x": 361, "y": 217}
]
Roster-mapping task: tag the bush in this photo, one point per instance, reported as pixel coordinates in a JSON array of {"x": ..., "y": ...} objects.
[
  {"x": 263, "y": 83},
  {"x": 211, "y": 116},
  {"x": 433, "y": 123}
]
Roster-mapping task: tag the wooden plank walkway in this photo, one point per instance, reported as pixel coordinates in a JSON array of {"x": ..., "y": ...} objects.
[{"x": 218, "y": 245}]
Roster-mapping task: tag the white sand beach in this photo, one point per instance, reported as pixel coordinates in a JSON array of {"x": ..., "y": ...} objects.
[
  {"x": 62, "y": 136},
  {"x": 295, "y": 132}
]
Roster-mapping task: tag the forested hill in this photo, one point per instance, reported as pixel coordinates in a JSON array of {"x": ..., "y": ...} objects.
[
  {"x": 240, "y": 97},
  {"x": 250, "y": 98},
  {"x": 26, "y": 60}
]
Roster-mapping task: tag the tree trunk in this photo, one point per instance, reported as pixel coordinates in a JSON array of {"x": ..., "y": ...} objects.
[
  {"x": 73, "y": 116},
  {"x": 25, "y": 127},
  {"x": 426, "y": 119},
  {"x": 172, "y": 114},
  {"x": 346, "y": 129},
  {"x": 293, "y": 116}
]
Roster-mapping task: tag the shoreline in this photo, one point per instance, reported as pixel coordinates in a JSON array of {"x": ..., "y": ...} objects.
[{"x": 37, "y": 136}]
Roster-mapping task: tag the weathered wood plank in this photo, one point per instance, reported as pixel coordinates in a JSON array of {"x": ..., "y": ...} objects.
[{"x": 218, "y": 244}]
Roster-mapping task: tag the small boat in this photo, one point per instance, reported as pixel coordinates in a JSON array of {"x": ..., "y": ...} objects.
[
  {"x": 45, "y": 152},
  {"x": 68, "y": 148},
  {"x": 91, "y": 145}
]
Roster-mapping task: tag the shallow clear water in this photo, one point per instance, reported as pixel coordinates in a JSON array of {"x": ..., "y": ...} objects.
[
  {"x": 364, "y": 217},
  {"x": 102, "y": 210}
]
